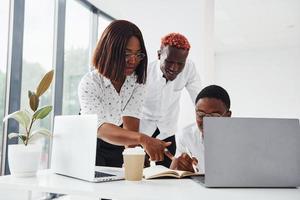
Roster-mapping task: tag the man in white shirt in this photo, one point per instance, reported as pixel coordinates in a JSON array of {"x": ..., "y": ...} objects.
[
  {"x": 212, "y": 101},
  {"x": 166, "y": 78}
]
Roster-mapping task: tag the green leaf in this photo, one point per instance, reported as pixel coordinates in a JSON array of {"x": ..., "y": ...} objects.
[
  {"x": 34, "y": 102},
  {"x": 21, "y": 116},
  {"x": 42, "y": 132},
  {"x": 45, "y": 83},
  {"x": 21, "y": 136},
  {"x": 30, "y": 93},
  {"x": 42, "y": 113},
  {"x": 13, "y": 135}
]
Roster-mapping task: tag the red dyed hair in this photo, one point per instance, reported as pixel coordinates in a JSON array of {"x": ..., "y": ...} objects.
[{"x": 176, "y": 40}]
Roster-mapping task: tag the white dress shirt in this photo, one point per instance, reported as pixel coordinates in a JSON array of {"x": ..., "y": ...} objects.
[
  {"x": 190, "y": 139},
  {"x": 98, "y": 96},
  {"x": 161, "y": 105}
]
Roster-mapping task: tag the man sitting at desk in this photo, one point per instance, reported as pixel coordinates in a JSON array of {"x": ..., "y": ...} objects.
[{"x": 212, "y": 101}]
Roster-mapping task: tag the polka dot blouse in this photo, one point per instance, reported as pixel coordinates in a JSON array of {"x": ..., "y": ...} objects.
[{"x": 98, "y": 96}]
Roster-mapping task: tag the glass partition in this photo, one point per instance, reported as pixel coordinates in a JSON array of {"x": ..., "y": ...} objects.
[
  {"x": 4, "y": 18},
  {"x": 37, "y": 57},
  {"x": 76, "y": 62},
  {"x": 103, "y": 22}
]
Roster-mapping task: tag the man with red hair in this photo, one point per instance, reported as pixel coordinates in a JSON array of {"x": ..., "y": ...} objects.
[{"x": 166, "y": 78}]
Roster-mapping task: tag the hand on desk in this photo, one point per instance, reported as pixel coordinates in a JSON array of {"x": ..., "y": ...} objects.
[{"x": 184, "y": 162}]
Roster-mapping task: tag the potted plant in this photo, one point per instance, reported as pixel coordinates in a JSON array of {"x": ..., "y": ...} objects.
[{"x": 23, "y": 158}]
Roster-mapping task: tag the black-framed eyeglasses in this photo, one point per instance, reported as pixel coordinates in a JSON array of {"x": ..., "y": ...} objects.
[
  {"x": 138, "y": 56},
  {"x": 201, "y": 114}
]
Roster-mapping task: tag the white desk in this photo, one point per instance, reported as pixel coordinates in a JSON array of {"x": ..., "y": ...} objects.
[{"x": 46, "y": 181}]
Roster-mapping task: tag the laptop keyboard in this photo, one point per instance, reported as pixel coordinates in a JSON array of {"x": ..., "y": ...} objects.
[{"x": 101, "y": 174}]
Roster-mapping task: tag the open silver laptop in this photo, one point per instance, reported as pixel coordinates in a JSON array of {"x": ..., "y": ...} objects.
[
  {"x": 251, "y": 152},
  {"x": 74, "y": 149}
]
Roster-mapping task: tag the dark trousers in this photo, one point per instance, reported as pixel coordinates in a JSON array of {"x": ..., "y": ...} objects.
[
  {"x": 108, "y": 154},
  {"x": 172, "y": 148}
]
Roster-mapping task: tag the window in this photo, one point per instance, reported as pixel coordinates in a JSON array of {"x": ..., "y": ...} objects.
[
  {"x": 103, "y": 22},
  {"x": 4, "y": 18},
  {"x": 76, "y": 54},
  {"x": 37, "y": 57}
]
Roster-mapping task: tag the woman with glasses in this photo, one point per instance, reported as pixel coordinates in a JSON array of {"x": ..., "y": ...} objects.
[
  {"x": 212, "y": 101},
  {"x": 114, "y": 91}
]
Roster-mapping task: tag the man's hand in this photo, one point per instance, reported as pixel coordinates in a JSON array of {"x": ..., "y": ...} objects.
[
  {"x": 154, "y": 147},
  {"x": 184, "y": 162}
]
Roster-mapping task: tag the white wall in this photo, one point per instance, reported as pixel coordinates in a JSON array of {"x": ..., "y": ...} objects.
[
  {"x": 156, "y": 18},
  {"x": 261, "y": 83}
]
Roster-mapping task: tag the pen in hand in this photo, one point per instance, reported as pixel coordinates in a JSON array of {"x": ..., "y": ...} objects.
[{"x": 190, "y": 155}]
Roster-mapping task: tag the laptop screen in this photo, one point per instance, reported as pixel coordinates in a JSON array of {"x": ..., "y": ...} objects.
[{"x": 252, "y": 152}]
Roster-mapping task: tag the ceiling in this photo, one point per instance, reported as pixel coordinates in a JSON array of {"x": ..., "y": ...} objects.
[
  {"x": 255, "y": 24},
  {"x": 239, "y": 24}
]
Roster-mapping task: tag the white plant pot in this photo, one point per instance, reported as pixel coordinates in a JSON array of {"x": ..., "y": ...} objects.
[{"x": 24, "y": 160}]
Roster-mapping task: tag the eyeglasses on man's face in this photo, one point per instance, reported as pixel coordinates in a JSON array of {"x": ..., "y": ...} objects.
[
  {"x": 138, "y": 56},
  {"x": 201, "y": 114}
]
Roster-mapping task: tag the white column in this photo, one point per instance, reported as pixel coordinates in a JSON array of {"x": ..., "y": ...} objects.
[
  {"x": 208, "y": 54},
  {"x": 201, "y": 36}
]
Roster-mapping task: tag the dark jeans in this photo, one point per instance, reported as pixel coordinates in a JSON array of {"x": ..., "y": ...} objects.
[
  {"x": 172, "y": 149},
  {"x": 108, "y": 154}
]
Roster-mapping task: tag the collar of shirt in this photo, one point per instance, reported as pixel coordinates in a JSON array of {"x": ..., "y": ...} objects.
[
  {"x": 131, "y": 79},
  {"x": 160, "y": 73},
  {"x": 106, "y": 81}
]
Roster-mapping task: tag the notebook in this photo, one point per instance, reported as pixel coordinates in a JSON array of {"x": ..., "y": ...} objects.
[
  {"x": 74, "y": 149},
  {"x": 251, "y": 152},
  {"x": 160, "y": 171}
]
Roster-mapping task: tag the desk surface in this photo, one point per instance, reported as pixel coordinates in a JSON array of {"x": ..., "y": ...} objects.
[{"x": 47, "y": 181}]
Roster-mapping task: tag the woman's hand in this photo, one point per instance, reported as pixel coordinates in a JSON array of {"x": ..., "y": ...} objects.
[
  {"x": 154, "y": 147},
  {"x": 184, "y": 162}
]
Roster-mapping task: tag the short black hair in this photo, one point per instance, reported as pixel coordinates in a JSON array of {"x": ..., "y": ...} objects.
[
  {"x": 214, "y": 91},
  {"x": 109, "y": 55}
]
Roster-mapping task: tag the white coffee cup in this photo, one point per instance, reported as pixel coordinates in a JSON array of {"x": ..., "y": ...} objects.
[{"x": 134, "y": 163}]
